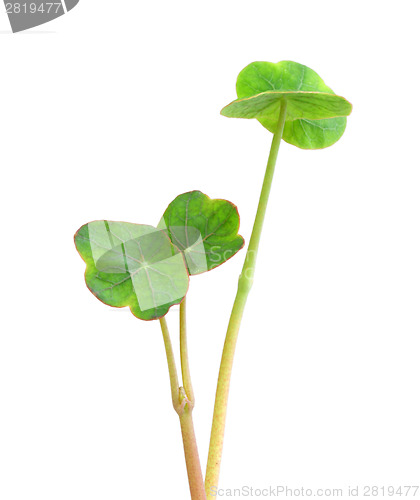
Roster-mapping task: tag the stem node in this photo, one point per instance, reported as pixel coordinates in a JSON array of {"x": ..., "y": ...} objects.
[{"x": 245, "y": 283}]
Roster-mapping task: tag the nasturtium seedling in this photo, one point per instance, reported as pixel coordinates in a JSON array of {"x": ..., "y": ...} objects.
[
  {"x": 315, "y": 116},
  {"x": 205, "y": 230},
  {"x": 148, "y": 269},
  {"x": 292, "y": 102}
]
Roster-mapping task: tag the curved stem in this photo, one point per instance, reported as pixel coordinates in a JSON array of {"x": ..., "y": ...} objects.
[
  {"x": 185, "y": 366},
  {"x": 244, "y": 286}
]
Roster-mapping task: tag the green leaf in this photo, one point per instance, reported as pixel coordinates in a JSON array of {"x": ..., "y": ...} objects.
[
  {"x": 205, "y": 230},
  {"x": 132, "y": 265},
  {"x": 315, "y": 115}
]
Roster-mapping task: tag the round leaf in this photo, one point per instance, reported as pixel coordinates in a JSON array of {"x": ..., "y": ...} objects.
[
  {"x": 205, "y": 230},
  {"x": 315, "y": 115},
  {"x": 132, "y": 265}
]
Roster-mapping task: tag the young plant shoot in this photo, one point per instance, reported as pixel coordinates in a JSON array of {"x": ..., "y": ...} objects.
[{"x": 148, "y": 268}]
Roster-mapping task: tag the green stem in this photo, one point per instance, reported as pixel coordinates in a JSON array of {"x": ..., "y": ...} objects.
[
  {"x": 185, "y": 366},
  {"x": 181, "y": 404},
  {"x": 173, "y": 373},
  {"x": 244, "y": 286}
]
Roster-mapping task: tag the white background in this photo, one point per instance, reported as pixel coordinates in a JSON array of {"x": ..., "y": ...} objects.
[{"x": 109, "y": 113}]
